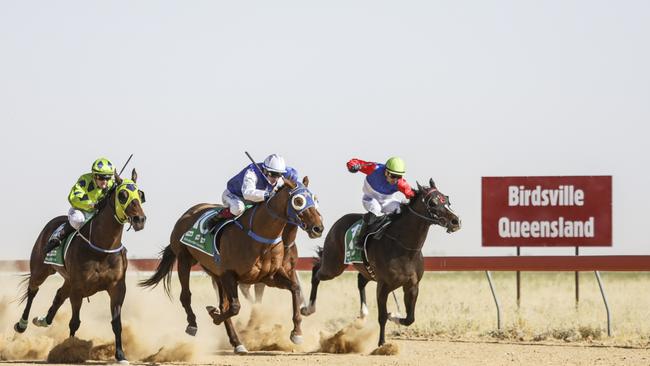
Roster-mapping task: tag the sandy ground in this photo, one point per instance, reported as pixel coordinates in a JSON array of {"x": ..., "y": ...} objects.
[
  {"x": 454, "y": 325},
  {"x": 414, "y": 352}
]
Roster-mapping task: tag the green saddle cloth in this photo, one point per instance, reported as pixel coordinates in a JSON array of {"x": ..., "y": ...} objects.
[
  {"x": 57, "y": 255},
  {"x": 353, "y": 254}
]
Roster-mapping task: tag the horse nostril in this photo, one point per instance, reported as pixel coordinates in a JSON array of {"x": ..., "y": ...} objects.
[
  {"x": 454, "y": 222},
  {"x": 317, "y": 229}
]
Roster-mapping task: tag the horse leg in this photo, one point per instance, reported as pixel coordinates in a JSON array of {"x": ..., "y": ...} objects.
[
  {"x": 259, "y": 292},
  {"x": 229, "y": 282},
  {"x": 382, "y": 299},
  {"x": 61, "y": 295},
  {"x": 328, "y": 266},
  {"x": 410, "y": 297},
  {"x": 184, "y": 268},
  {"x": 117, "y": 294},
  {"x": 292, "y": 285},
  {"x": 361, "y": 285},
  {"x": 75, "y": 321},
  {"x": 315, "y": 281},
  {"x": 230, "y": 328},
  {"x": 246, "y": 291},
  {"x": 35, "y": 281}
]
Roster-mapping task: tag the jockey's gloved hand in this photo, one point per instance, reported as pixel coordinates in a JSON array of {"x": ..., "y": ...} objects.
[{"x": 354, "y": 168}]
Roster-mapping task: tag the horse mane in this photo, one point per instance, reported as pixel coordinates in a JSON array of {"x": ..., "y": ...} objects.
[
  {"x": 104, "y": 201},
  {"x": 404, "y": 206}
]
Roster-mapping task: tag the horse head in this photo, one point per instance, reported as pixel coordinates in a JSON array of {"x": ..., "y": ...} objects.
[
  {"x": 128, "y": 202},
  {"x": 432, "y": 204},
  {"x": 300, "y": 207}
]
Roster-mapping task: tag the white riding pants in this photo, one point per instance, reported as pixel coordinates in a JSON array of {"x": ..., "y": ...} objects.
[{"x": 236, "y": 204}]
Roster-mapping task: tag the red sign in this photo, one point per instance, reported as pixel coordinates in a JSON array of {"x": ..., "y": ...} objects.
[{"x": 547, "y": 211}]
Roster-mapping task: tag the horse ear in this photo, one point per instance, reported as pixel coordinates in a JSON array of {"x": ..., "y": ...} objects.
[
  {"x": 305, "y": 181},
  {"x": 118, "y": 180},
  {"x": 420, "y": 188},
  {"x": 134, "y": 176},
  {"x": 431, "y": 183}
]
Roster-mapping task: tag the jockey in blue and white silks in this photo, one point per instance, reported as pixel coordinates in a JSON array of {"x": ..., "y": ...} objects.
[{"x": 250, "y": 185}]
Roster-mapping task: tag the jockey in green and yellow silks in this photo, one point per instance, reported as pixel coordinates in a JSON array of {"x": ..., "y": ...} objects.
[{"x": 84, "y": 195}]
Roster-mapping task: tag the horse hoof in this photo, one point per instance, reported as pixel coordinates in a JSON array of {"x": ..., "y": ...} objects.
[
  {"x": 191, "y": 330},
  {"x": 241, "y": 350},
  {"x": 123, "y": 362},
  {"x": 40, "y": 322},
  {"x": 395, "y": 318},
  {"x": 296, "y": 339},
  {"x": 19, "y": 329},
  {"x": 307, "y": 310}
]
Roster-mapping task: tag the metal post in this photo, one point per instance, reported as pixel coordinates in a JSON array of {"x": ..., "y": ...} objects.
[
  {"x": 577, "y": 274},
  {"x": 496, "y": 301},
  {"x": 518, "y": 282},
  {"x": 602, "y": 292}
]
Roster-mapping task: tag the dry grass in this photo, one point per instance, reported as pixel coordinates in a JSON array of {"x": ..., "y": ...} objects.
[{"x": 450, "y": 306}]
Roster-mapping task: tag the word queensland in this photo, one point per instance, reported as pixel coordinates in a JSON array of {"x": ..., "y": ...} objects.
[{"x": 546, "y": 211}]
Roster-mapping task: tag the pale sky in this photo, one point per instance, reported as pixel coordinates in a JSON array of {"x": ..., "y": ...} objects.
[{"x": 459, "y": 89}]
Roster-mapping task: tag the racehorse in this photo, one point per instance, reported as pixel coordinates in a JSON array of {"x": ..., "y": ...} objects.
[
  {"x": 251, "y": 251},
  {"x": 289, "y": 264},
  {"x": 395, "y": 260},
  {"x": 94, "y": 261}
]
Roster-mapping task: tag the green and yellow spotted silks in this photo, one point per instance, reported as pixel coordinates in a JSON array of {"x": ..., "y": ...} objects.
[
  {"x": 85, "y": 194},
  {"x": 133, "y": 194}
]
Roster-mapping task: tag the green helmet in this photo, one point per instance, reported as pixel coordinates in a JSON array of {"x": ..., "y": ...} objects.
[
  {"x": 103, "y": 166},
  {"x": 396, "y": 165}
]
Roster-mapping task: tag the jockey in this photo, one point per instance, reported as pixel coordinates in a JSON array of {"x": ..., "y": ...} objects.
[
  {"x": 382, "y": 183},
  {"x": 250, "y": 186},
  {"x": 84, "y": 195}
]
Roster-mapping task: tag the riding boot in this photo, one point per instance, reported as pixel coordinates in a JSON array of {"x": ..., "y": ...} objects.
[
  {"x": 368, "y": 220},
  {"x": 58, "y": 236},
  {"x": 381, "y": 223},
  {"x": 224, "y": 214}
]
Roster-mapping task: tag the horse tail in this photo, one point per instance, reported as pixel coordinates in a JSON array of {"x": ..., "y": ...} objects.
[
  {"x": 163, "y": 271},
  {"x": 24, "y": 284},
  {"x": 319, "y": 256}
]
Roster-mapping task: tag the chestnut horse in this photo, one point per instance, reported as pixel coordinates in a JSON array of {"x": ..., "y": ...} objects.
[
  {"x": 394, "y": 261},
  {"x": 289, "y": 264},
  {"x": 251, "y": 252},
  {"x": 95, "y": 261}
]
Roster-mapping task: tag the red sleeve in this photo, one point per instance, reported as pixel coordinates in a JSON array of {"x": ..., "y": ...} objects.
[
  {"x": 405, "y": 188},
  {"x": 366, "y": 167}
]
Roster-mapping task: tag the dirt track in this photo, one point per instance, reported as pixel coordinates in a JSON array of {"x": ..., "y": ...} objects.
[{"x": 444, "y": 353}]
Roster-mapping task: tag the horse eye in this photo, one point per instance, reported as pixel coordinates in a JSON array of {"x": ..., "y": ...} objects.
[
  {"x": 298, "y": 202},
  {"x": 123, "y": 197}
]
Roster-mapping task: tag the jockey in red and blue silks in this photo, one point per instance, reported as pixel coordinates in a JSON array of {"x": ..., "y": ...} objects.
[
  {"x": 251, "y": 186},
  {"x": 380, "y": 188}
]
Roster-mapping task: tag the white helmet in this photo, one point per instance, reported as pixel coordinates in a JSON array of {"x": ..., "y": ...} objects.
[{"x": 275, "y": 163}]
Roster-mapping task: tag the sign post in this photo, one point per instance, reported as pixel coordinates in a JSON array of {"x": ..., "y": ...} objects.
[{"x": 553, "y": 211}]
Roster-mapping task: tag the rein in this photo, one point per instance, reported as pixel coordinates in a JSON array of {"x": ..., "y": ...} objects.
[{"x": 90, "y": 233}]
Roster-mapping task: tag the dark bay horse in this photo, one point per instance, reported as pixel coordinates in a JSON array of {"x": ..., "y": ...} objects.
[
  {"x": 95, "y": 261},
  {"x": 244, "y": 259},
  {"x": 395, "y": 260}
]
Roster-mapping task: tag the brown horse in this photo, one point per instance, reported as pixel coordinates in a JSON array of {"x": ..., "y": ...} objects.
[
  {"x": 289, "y": 264},
  {"x": 251, "y": 252},
  {"x": 394, "y": 261},
  {"x": 95, "y": 261}
]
